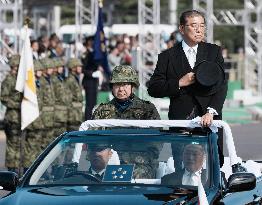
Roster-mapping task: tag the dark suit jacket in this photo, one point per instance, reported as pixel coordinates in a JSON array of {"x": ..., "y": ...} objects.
[
  {"x": 89, "y": 66},
  {"x": 171, "y": 66},
  {"x": 176, "y": 178}
]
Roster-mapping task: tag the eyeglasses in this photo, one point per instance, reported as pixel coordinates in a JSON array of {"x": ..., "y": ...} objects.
[{"x": 196, "y": 26}]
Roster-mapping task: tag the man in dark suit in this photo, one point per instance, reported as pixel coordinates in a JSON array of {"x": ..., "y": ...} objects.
[
  {"x": 194, "y": 156},
  {"x": 92, "y": 70},
  {"x": 174, "y": 76}
]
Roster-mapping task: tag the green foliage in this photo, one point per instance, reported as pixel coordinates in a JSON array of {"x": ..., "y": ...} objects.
[
  {"x": 183, "y": 5},
  {"x": 67, "y": 14},
  {"x": 231, "y": 37},
  {"x": 225, "y": 4}
]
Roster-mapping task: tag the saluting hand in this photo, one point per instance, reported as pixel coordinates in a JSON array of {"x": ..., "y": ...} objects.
[{"x": 187, "y": 79}]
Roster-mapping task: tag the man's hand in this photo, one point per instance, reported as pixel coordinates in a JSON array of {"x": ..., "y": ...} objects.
[
  {"x": 187, "y": 79},
  {"x": 207, "y": 119}
]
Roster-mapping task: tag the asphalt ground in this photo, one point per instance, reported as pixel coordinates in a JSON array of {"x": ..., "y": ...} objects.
[{"x": 248, "y": 140}]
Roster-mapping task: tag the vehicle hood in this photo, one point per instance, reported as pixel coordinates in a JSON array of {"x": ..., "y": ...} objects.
[{"x": 98, "y": 194}]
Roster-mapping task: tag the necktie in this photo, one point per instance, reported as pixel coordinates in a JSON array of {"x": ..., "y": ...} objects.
[{"x": 191, "y": 57}]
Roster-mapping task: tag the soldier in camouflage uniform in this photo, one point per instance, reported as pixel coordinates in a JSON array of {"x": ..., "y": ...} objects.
[
  {"x": 36, "y": 130},
  {"x": 126, "y": 105},
  {"x": 48, "y": 101},
  {"x": 62, "y": 98},
  {"x": 75, "y": 115},
  {"x": 12, "y": 100}
]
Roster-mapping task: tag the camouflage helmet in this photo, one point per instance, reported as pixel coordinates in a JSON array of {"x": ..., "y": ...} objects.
[
  {"x": 73, "y": 62},
  {"x": 14, "y": 60},
  {"x": 58, "y": 62},
  {"x": 38, "y": 65},
  {"x": 124, "y": 74},
  {"x": 47, "y": 63}
]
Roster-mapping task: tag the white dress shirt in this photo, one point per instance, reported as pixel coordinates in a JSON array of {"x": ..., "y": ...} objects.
[
  {"x": 191, "y": 178},
  {"x": 191, "y": 53},
  {"x": 99, "y": 173}
]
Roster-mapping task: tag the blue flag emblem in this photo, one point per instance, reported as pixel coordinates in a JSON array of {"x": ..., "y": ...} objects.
[{"x": 118, "y": 173}]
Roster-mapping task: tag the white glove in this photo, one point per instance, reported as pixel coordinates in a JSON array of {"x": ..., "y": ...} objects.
[
  {"x": 97, "y": 74},
  {"x": 114, "y": 160}
]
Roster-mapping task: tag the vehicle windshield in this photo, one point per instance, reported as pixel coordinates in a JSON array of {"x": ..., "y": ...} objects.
[{"x": 125, "y": 156}]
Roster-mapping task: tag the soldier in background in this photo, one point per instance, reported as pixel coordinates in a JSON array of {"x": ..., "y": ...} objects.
[
  {"x": 75, "y": 113},
  {"x": 12, "y": 100},
  {"x": 36, "y": 130},
  {"x": 126, "y": 105},
  {"x": 48, "y": 101},
  {"x": 62, "y": 98}
]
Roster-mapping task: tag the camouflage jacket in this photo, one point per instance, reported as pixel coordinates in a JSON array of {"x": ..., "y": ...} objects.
[
  {"x": 12, "y": 99},
  {"x": 48, "y": 103},
  {"x": 75, "y": 99},
  {"x": 138, "y": 109},
  {"x": 62, "y": 99},
  {"x": 75, "y": 89},
  {"x": 60, "y": 91},
  {"x": 48, "y": 93},
  {"x": 145, "y": 162}
]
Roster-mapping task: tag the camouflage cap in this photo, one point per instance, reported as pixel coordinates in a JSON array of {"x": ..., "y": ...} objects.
[
  {"x": 14, "y": 60},
  {"x": 73, "y": 62},
  {"x": 47, "y": 63},
  {"x": 124, "y": 74},
  {"x": 38, "y": 65}
]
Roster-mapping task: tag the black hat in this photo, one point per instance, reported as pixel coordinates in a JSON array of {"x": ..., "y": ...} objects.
[
  {"x": 98, "y": 147},
  {"x": 210, "y": 77},
  {"x": 88, "y": 38}
]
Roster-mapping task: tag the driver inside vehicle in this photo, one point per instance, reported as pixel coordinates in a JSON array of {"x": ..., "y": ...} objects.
[
  {"x": 194, "y": 157},
  {"x": 99, "y": 157}
]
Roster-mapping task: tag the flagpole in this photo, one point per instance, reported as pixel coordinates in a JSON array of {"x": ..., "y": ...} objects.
[
  {"x": 23, "y": 131},
  {"x": 21, "y": 148}
]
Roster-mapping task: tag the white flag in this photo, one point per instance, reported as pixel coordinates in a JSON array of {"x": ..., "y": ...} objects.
[
  {"x": 25, "y": 83},
  {"x": 202, "y": 198}
]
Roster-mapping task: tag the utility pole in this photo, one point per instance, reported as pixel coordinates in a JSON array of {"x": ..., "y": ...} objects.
[
  {"x": 149, "y": 44},
  {"x": 84, "y": 14}
]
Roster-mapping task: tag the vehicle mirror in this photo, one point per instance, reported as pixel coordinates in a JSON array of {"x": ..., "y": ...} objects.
[
  {"x": 241, "y": 182},
  {"x": 8, "y": 180}
]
